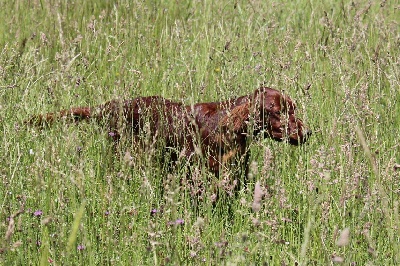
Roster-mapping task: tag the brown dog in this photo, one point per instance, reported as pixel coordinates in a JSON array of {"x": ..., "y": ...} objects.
[{"x": 220, "y": 132}]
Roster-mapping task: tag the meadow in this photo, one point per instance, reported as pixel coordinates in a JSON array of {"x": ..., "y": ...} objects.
[{"x": 67, "y": 199}]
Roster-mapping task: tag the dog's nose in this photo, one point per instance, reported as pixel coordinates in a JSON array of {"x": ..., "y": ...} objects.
[{"x": 307, "y": 134}]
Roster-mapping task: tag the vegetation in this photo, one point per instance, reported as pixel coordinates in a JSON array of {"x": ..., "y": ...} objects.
[{"x": 64, "y": 199}]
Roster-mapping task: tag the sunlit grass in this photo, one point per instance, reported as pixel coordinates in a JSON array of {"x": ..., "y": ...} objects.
[{"x": 67, "y": 199}]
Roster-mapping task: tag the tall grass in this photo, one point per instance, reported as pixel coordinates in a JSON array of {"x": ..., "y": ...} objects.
[{"x": 65, "y": 200}]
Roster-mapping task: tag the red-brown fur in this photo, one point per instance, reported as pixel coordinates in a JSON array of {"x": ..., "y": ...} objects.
[{"x": 216, "y": 131}]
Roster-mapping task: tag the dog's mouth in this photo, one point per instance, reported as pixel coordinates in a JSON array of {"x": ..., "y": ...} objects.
[
  {"x": 297, "y": 139},
  {"x": 294, "y": 138}
]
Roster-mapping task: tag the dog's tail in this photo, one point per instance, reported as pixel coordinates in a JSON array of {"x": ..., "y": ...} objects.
[{"x": 73, "y": 114}]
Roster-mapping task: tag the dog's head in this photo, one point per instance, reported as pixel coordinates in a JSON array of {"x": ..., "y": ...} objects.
[
  {"x": 275, "y": 114},
  {"x": 271, "y": 113}
]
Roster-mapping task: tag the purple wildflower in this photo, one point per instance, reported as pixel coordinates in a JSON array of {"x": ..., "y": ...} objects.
[
  {"x": 177, "y": 222},
  {"x": 107, "y": 213},
  {"x": 111, "y": 134},
  {"x": 38, "y": 213},
  {"x": 81, "y": 247},
  {"x": 153, "y": 211}
]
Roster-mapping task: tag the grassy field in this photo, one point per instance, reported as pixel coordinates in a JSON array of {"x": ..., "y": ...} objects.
[{"x": 335, "y": 200}]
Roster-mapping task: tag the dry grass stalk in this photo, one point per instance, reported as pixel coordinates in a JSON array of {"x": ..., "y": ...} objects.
[{"x": 258, "y": 194}]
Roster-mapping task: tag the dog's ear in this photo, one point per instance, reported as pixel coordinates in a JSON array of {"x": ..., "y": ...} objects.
[{"x": 236, "y": 119}]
